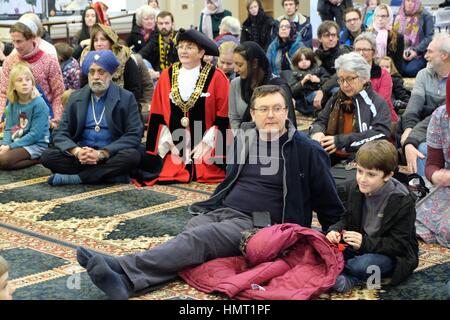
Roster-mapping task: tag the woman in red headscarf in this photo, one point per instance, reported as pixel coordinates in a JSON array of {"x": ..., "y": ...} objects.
[
  {"x": 101, "y": 8},
  {"x": 433, "y": 223}
]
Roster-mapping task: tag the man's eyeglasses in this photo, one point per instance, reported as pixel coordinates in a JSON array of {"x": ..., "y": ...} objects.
[
  {"x": 265, "y": 110},
  {"x": 352, "y": 20},
  {"x": 365, "y": 50},
  {"x": 347, "y": 80}
]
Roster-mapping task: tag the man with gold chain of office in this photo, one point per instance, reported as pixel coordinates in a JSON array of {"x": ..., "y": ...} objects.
[{"x": 188, "y": 118}]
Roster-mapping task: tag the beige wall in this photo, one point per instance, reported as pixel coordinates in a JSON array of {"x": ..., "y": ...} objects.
[{"x": 191, "y": 16}]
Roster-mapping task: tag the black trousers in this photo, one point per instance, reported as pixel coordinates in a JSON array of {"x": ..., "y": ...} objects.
[{"x": 119, "y": 164}]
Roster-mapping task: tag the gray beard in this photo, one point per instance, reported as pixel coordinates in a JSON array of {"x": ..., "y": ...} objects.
[{"x": 99, "y": 86}]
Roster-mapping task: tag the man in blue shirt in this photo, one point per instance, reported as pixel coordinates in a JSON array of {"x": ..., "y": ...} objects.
[{"x": 100, "y": 131}]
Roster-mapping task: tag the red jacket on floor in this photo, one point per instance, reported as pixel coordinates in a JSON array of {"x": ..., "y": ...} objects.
[{"x": 282, "y": 262}]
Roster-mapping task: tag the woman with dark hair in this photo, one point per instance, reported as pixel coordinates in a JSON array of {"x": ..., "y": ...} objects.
[
  {"x": 283, "y": 47},
  {"x": 253, "y": 68},
  {"x": 417, "y": 26},
  {"x": 82, "y": 38},
  {"x": 257, "y": 27}
]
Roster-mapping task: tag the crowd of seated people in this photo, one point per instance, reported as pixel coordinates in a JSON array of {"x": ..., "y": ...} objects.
[{"x": 169, "y": 106}]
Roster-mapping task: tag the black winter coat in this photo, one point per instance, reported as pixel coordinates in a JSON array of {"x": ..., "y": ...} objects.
[
  {"x": 258, "y": 29},
  {"x": 399, "y": 92},
  {"x": 329, "y": 56},
  {"x": 396, "y": 237},
  {"x": 297, "y": 76},
  {"x": 136, "y": 39},
  {"x": 150, "y": 52}
]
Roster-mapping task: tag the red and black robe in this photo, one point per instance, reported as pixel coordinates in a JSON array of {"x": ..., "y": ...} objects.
[{"x": 211, "y": 110}]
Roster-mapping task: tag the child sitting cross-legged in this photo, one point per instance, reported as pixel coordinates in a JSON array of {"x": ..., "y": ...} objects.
[
  {"x": 377, "y": 229},
  {"x": 26, "y": 133}
]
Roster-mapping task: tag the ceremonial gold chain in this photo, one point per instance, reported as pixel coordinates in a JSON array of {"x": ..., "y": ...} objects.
[{"x": 185, "y": 106}]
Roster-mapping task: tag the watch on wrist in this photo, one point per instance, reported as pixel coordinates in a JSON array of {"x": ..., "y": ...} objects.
[{"x": 101, "y": 155}]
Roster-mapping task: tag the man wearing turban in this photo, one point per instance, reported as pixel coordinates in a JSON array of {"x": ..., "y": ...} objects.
[{"x": 100, "y": 131}]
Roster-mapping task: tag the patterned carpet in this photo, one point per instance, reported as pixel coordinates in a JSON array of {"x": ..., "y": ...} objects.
[{"x": 41, "y": 226}]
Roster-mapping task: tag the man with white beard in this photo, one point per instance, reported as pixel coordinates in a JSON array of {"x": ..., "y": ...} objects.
[
  {"x": 427, "y": 95},
  {"x": 100, "y": 131}
]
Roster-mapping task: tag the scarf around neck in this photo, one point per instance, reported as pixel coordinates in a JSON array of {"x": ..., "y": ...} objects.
[
  {"x": 34, "y": 55},
  {"x": 407, "y": 23},
  {"x": 207, "y": 21},
  {"x": 342, "y": 105}
]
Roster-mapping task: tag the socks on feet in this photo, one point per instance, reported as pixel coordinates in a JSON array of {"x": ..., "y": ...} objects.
[
  {"x": 117, "y": 286},
  {"x": 62, "y": 179},
  {"x": 84, "y": 255}
]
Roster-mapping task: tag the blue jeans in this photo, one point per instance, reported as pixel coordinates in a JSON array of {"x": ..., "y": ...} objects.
[
  {"x": 310, "y": 97},
  {"x": 421, "y": 162},
  {"x": 357, "y": 266}
]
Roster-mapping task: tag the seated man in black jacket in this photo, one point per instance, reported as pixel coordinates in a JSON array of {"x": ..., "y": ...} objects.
[
  {"x": 279, "y": 176},
  {"x": 161, "y": 50}
]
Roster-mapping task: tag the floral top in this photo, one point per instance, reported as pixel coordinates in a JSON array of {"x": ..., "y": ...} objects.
[
  {"x": 71, "y": 74},
  {"x": 438, "y": 133}
]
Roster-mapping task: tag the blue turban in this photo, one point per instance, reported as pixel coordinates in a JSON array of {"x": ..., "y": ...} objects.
[{"x": 103, "y": 58}]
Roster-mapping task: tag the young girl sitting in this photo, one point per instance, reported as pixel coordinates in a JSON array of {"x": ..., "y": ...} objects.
[
  {"x": 306, "y": 79},
  {"x": 26, "y": 132},
  {"x": 378, "y": 225},
  {"x": 400, "y": 95}
]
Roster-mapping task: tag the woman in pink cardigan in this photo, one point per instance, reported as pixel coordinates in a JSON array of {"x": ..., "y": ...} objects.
[
  {"x": 45, "y": 68},
  {"x": 380, "y": 79}
]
